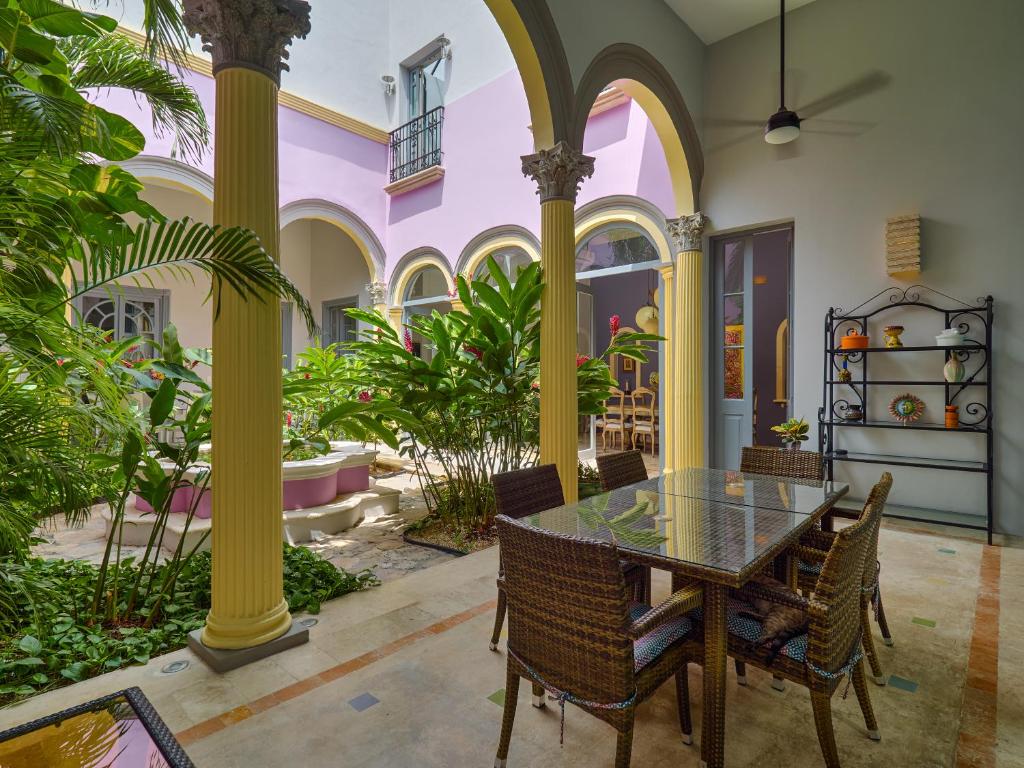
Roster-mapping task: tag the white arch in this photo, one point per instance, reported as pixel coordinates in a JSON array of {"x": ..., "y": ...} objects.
[
  {"x": 173, "y": 173},
  {"x": 353, "y": 226},
  {"x": 490, "y": 240},
  {"x": 627, "y": 208},
  {"x": 410, "y": 264}
]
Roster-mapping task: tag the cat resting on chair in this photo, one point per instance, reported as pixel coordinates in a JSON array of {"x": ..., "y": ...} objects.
[{"x": 779, "y": 623}]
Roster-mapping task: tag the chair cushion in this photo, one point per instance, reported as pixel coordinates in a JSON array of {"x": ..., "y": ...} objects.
[
  {"x": 749, "y": 629},
  {"x": 649, "y": 647},
  {"x": 804, "y": 567}
]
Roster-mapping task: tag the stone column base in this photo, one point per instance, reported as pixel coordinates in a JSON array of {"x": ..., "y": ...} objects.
[{"x": 225, "y": 660}]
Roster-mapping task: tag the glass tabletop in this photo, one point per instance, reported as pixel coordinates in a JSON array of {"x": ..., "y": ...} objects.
[
  {"x": 113, "y": 732},
  {"x": 708, "y": 538},
  {"x": 746, "y": 489}
]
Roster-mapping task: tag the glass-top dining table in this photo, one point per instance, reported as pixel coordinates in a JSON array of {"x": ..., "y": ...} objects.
[{"x": 714, "y": 526}]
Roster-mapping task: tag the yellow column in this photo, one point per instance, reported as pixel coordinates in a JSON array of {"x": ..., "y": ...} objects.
[
  {"x": 247, "y": 602},
  {"x": 688, "y": 343},
  {"x": 668, "y": 380},
  {"x": 558, "y": 173},
  {"x": 395, "y": 315}
]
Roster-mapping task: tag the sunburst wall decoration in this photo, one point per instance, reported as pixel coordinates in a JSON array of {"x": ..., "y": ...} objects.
[{"x": 906, "y": 408}]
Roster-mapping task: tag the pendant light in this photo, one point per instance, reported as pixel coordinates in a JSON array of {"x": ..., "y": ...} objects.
[
  {"x": 647, "y": 316},
  {"x": 784, "y": 126}
]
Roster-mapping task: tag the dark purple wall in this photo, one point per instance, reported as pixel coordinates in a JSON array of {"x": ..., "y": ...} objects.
[
  {"x": 771, "y": 307},
  {"x": 622, "y": 295}
]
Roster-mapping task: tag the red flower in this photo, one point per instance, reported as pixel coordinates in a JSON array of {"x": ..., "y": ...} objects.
[
  {"x": 581, "y": 359},
  {"x": 288, "y": 418},
  {"x": 306, "y": 376},
  {"x": 473, "y": 351},
  {"x": 613, "y": 324},
  {"x": 60, "y": 362},
  {"x": 535, "y": 385},
  {"x": 365, "y": 396},
  {"x": 407, "y": 338}
]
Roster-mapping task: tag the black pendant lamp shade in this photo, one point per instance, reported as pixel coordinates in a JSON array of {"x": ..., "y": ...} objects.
[{"x": 784, "y": 125}]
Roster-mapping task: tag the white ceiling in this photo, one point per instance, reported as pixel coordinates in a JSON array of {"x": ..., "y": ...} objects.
[{"x": 714, "y": 19}]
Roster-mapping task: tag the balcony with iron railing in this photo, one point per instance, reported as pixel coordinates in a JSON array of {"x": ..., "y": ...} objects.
[{"x": 416, "y": 146}]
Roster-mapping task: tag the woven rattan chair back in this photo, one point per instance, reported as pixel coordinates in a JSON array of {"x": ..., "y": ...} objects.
[
  {"x": 567, "y": 611},
  {"x": 835, "y": 633},
  {"x": 876, "y": 499},
  {"x": 782, "y": 462},
  {"x": 619, "y": 469},
  {"x": 525, "y": 492}
]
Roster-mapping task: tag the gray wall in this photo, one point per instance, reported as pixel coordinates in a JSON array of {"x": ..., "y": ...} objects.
[{"x": 942, "y": 139}]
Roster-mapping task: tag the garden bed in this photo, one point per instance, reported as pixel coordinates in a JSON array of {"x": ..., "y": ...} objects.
[
  {"x": 438, "y": 534},
  {"x": 56, "y": 643}
]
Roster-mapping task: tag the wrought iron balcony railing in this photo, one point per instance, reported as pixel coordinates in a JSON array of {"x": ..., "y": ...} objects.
[{"x": 416, "y": 145}]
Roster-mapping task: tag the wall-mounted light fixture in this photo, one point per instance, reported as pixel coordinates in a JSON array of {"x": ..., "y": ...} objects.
[
  {"x": 388, "y": 81},
  {"x": 446, "y": 47}
]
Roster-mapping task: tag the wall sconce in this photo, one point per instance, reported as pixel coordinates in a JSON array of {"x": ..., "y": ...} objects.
[
  {"x": 388, "y": 82},
  {"x": 903, "y": 246},
  {"x": 446, "y": 47}
]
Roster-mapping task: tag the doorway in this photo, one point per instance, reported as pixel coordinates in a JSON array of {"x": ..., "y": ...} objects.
[{"x": 750, "y": 345}]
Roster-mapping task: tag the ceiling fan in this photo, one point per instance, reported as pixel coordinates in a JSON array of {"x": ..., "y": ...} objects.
[{"x": 784, "y": 126}]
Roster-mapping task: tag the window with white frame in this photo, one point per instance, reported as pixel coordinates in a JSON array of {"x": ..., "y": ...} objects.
[
  {"x": 125, "y": 312},
  {"x": 509, "y": 260}
]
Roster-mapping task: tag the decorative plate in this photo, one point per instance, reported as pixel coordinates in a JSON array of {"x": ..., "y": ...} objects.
[{"x": 906, "y": 408}]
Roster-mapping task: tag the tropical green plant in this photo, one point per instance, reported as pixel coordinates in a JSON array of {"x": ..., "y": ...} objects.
[
  {"x": 473, "y": 409},
  {"x": 793, "y": 431},
  {"x": 71, "y": 221}
]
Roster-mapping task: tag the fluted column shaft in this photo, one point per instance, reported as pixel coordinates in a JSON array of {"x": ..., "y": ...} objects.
[
  {"x": 668, "y": 378},
  {"x": 687, "y": 342},
  {"x": 247, "y": 41},
  {"x": 558, "y": 172},
  {"x": 558, "y": 404},
  {"x": 248, "y": 606}
]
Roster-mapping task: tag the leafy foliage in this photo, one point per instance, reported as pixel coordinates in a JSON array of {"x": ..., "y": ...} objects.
[
  {"x": 57, "y": 643},
  {"x": 472, "y": 410},
  {"x": 793, "y": 431}
]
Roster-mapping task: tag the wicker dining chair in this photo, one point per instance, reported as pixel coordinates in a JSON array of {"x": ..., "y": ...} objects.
[
  {"x": 831, "y": 648},
  {"x": 619, "y": 469},
  {"x": 782, "y": 462},
  {"x": 573, "y": 632},
  {"x": 814, "y": 549},
  {"x": 524, "y": 492}
]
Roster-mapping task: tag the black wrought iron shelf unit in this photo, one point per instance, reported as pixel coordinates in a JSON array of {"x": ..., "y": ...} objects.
[{"x": 973, "y": 394}]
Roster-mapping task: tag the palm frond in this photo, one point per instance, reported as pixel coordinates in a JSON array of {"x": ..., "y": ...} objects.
[
  {"x": 166, "y": 36},
  {"x": 114, "y": 61},
  {"x": 231, "y": 256}
]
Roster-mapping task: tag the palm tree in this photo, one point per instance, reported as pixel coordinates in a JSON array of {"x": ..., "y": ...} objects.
[{"x": 72, "y": 220}]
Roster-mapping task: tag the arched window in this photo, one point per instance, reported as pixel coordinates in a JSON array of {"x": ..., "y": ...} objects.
[
  {"x": 427, "y": 291},
  {"x": 616, "y": 245},
  {"x": 510, "y": 260}
]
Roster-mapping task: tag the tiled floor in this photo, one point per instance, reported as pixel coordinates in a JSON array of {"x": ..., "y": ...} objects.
[{"x": 401, "y": 676}]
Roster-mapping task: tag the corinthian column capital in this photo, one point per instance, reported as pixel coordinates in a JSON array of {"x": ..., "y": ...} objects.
[
  {"x": 686, "y": 231},
  {"x": 253, "y": 34},
  {"x": 558, "y": 171}
]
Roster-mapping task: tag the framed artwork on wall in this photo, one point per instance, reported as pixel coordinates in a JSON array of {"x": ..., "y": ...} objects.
[{"x": 628, "y": 364}]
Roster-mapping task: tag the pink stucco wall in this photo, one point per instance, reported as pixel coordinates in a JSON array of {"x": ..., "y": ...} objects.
[{"x": 485, "y": 133}]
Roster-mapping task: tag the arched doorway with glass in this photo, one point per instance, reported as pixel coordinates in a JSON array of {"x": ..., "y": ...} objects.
[
  {"x": 426, "y": 291},
  {"x": 618, "y": 256}
]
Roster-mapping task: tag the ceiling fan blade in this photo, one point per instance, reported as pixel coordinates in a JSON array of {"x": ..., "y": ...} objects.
[
  {"x": 726, "y": 122},
  {"x": 787, "y": 151},
  {"x": 862, "y": 86}
]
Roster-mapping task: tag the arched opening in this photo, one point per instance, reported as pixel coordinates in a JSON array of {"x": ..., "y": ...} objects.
[
  {"x": 422, "y": 284},
  {"x": 145, "y": 307},
  {"x": 620, "y": 248},
  {"x": 330, "y": 267}
]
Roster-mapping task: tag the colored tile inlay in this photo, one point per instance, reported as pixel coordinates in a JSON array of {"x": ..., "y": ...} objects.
[
  {"x": 946, "y": 551},
  {"x": 923, "y": 622},
  {"x": 363, "y": 702},
  {"x": 498, "y": 697},
  {"x": 902, "y": 683}
]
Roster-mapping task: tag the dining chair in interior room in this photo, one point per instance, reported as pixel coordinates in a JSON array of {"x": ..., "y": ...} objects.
[
  {"x": 645, "y": 417},
  {"x": 524, "y": 492},
  {"x": 615, "y": 420},
  {"x": 573, "y": 632}
]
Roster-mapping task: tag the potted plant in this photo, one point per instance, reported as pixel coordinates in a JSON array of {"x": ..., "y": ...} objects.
[{"x": 793, "y": 431}]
